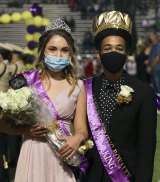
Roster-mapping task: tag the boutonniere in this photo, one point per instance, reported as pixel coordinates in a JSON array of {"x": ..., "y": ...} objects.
[
  {"x": 125, "y": 95},
  {"x": 87, "y": 145}
]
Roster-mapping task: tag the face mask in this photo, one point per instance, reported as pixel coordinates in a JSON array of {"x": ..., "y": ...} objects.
[
  {"x": 113, "y": 61},
  {"x": 56, "y": 64}
]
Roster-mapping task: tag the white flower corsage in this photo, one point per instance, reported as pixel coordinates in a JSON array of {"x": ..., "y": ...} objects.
[
  {"x": 124, "y": 96},
  {"x": 87, "y": 145}
]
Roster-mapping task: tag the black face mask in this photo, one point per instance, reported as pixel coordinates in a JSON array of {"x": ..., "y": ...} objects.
[{"x": 113, "y": 61}]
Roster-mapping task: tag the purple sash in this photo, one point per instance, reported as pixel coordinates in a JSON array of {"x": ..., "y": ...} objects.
[
  {"x": 34, "y": 80},
  {"x": 106, "y": 153}
]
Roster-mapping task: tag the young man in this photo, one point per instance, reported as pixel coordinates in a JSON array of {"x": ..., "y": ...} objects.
[{"x": 121, "y": 109}]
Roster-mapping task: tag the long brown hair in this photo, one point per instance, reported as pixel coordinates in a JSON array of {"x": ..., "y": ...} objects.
[{"x": 70, "y": 72}]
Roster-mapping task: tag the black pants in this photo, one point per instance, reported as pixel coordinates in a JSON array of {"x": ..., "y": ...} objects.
[
  {"x": 4, "y": 173},
  {"x": 78, "y": 174},
  {"x": 14, "y": 143}
]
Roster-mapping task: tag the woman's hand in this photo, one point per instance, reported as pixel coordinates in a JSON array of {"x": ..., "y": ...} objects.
[
  {"x": 70, "y": 147},
  {"x": 36, "y": 130}
]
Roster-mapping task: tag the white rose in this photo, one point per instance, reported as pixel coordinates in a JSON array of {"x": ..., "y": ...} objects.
[
  {"x": 90, "y": 143},
  {"x": 13, "y": 99},
  {"x": 26, "y": 91},
  {"x": 81, "y": 151},
  {"x": 5, "y": 102},
  {"x": 125, "y": 91},
  {"x": 2, "y": 94},
  {"x": 83, "y": 147},
  {"x": 4, "y": 105},
  {"x": 2, "y": 97},
  {"x": 11, "y": 92},
  {"x": 128, "y": 88},
  {"x": 23, "y": 103},
  {"x": 13, "y": 106}
]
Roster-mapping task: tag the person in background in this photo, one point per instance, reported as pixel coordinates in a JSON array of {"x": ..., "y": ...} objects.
[
  {"x": 141, "y": 55},
  {"x": 130, "y": 65},
  {"x": 17, "y": 53},
  {"x": 153, "y": 67},
  {"x": 14, "y": 142},
  {"x": 7, "y": 70},
  {"x": 29, "y": 61},
  {"x": 88, "y": 69}
]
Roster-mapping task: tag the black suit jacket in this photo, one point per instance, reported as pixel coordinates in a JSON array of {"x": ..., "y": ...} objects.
[{"x": 132, "y": 130}]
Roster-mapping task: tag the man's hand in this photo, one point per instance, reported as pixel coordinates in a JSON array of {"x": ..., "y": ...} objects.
[{"x": 35, "y": 130}]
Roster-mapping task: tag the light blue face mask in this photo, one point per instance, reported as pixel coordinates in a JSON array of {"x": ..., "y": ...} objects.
[{"x": 56, "y": 64}]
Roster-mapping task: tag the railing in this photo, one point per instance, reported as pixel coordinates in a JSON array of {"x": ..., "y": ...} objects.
[{"x": 15, "y": 2}]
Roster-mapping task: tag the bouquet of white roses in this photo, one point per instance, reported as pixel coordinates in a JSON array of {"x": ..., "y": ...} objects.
[
  {"x": 18, "y": 105},
  {"x": 25, "y": 107}
]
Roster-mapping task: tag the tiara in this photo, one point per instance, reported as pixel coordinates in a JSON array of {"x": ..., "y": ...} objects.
[{"x": 58, "y": 24}]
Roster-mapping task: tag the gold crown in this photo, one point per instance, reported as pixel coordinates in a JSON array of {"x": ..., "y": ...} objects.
[{"x": 112, "y": 19}]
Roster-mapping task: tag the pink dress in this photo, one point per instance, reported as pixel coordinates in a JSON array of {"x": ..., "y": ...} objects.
[{"x": 37, "y": 161}]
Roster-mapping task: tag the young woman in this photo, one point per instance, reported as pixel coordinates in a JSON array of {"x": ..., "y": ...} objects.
[{"x": 56, "y": 82}]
